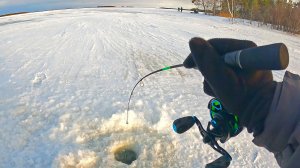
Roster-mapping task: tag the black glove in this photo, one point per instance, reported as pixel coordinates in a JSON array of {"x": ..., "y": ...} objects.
[{"x": 245, "y": 93}]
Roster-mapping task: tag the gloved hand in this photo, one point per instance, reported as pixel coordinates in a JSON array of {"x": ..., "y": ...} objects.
[{"x": 245, "y": 93}]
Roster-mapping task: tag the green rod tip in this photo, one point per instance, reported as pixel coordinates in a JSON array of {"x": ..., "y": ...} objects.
[{"x": 166, "y": 68}]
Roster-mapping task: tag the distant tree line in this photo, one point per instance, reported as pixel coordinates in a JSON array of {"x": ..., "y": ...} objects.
[{"x": 278, "y": 14}]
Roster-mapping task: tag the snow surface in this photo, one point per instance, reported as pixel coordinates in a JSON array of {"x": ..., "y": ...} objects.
[{"x": 66, "y": 75}]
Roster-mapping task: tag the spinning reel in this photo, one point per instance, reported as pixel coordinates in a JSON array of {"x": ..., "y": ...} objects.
[{"x": 222, "y": 126}]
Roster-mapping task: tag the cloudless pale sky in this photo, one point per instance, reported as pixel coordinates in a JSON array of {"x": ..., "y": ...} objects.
[{"x": 12, "y": 6}]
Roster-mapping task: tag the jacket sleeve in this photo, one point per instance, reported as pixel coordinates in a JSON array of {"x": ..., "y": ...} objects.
[{"x": 281, "y": 134}]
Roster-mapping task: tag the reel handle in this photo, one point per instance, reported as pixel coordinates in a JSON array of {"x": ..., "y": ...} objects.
[{"x": 183, "y": 124}]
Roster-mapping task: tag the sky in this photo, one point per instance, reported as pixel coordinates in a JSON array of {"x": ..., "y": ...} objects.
[{"x": 12, "y": 6}]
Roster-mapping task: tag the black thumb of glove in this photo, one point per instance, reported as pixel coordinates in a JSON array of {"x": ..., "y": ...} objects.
[{"x": 189, "y": 62}]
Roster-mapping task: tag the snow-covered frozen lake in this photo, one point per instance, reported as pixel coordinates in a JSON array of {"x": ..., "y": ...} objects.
[{"x": 66, "y": 75}]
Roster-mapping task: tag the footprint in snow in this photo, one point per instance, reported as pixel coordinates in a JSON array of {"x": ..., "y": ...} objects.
[{"x": 38, "y": 79}]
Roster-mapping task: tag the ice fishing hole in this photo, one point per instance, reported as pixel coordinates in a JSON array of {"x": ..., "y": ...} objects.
[{"x": 125, "y": 155}]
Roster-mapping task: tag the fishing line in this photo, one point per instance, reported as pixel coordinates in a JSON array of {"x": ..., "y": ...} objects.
[{"x": 163, "y": 69}]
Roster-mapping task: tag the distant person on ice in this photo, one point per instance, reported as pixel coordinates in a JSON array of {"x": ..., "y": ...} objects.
[
  {"x": 268, "y": 109},
  {"x": 180, "y": 9}
]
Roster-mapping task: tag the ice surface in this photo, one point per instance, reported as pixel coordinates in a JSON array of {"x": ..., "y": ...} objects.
[{"x": 66, "y": 75}]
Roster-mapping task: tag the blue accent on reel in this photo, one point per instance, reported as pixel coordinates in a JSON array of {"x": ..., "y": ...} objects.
[
  {"x": 215, "y": 103},
  {"x": 194, "y": 117},
  {"x": 214, "y": 123},
  {"x": 175, "y": 128}
]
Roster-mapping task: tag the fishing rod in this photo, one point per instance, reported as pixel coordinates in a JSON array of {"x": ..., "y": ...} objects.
[
  {"x": 269, "y": 57},
  {"x": 224, "y": 125},
  {"x": 162, "y": 69}
]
